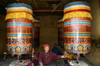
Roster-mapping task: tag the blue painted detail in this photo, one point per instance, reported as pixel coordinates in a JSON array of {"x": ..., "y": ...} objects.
[
  {"x": 61, "y": 35},
  {"x": 77, "y": 23},
  {"x": 11, "y": 47},
  {"x": 87, "y": 46},
  {"x": 81, "y": 46},
  {"x": 19, "y": 35},
  {"x": 17, "y": 47},
  {"x": 19, "y": 5},
  {"x": 77, "y": 34},
  {"x": 60, "y": 29},
  {"x": 25, "y": 47},
  {"x": 19, "y": 24},
  {"x": 77, "y": 3},
  {"x": 72, "y": 45},
  {"x": 36, "y": 19},
  {"x": 35, "y": 29},
  {"x": 60, "y": 18}
]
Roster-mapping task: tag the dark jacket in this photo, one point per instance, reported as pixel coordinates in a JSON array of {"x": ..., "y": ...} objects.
[
  {"x": 48, "y": 58},
  {"x": 56, "y": 51}
]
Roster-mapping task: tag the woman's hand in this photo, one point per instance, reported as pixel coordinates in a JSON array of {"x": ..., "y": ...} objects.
[{"x": 63, "y": 56}]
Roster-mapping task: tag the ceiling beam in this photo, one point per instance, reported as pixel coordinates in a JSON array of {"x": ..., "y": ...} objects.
[
  {"x": 53, "y": 2},
  {"x": 56, "y": 7},
  {"x": 35, "y": 3},
  {"x": 47, "y": 10},
  {"x": 22, "y": 1}
]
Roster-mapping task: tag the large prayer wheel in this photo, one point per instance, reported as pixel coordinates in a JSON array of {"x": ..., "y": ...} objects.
[
  {"x": 77, "y": 27},
  {"x": 19, "y": 28},
  {"x": 60, "y": 32},
  {"x": 35, "y": 32}
]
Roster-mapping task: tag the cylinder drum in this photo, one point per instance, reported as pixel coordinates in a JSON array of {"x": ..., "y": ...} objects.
[
  {"x": 77, "y": 27},
  {"x": 35, "y": 32},
  {"x": 19, "y": 28},
  {"x": 60, "y": 32}
]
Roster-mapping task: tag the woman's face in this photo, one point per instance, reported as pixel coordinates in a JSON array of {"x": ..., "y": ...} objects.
[
  {"x": 46, "y": 49},
  {"x": 32, "y": 49}
]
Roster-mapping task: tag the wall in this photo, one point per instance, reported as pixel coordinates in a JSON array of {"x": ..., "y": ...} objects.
[
  {"x": 48, "y": 28},
  {"x": 2, "y": 34},
  {"x": 95, "y": 47},
  {"x": 95, "y": 11}
]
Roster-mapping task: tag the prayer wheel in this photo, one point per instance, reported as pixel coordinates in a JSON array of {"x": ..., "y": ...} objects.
[
  {"x": 77, "y": 27},
  {"x": 35, "y": 32},
  {"x": 60, "y": 32},
  {"x": 19, "y": 28}
]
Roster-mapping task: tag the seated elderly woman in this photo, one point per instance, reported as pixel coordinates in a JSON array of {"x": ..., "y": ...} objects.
[{"x": 47, "y": 57}]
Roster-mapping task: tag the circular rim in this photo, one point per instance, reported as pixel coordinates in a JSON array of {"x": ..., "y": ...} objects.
[
  {"x": 76, "y": 6},
  {"x": 36, "y": 18},
  {"x": 60, "y": 19},
  {"x": 18, "y": 8},
  {"x": 19, "y": 5},
  {"x": 77, "y": 3}
]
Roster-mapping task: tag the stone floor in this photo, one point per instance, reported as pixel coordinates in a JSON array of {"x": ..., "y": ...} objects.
[{"x": 60, "y": 62}]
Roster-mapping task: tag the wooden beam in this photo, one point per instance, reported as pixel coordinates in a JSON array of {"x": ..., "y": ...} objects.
[
  {"x": 22, "y": 1},
  {"x": 47, "y": 10},
  {"x": 35, "y": 3},
  {"x": 53, "y": 2},
  {"x": 56, "y": 7}
]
